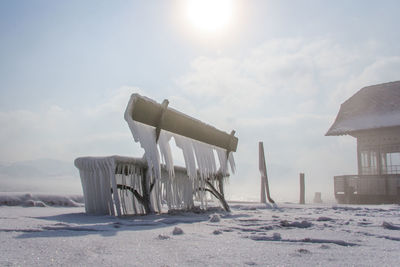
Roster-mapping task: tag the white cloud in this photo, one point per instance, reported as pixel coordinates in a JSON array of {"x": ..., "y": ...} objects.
[
  {"x": 64, "y": 134},
  {"x": 286, "y": 93},
  {"x": 383, "y": 69},
  {"x": 115, "y": 103},
  {"x": 287, "y": 74}
]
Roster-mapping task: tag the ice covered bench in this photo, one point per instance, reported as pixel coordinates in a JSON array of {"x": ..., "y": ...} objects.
[{"x": 123, "y": 185}]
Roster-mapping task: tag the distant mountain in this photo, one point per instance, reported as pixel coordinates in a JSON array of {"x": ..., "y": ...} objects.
[
  {"x": 20, "y": 170},
  {"x": 38, "y": 168}
]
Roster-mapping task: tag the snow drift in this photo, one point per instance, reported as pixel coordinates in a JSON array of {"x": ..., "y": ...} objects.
[{"x": 40, "y": 200}]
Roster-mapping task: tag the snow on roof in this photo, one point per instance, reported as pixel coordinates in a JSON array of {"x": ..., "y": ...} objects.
[{"x": 375, "y": 106}]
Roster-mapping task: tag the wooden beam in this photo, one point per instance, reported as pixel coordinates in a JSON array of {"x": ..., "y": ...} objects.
[{"x": 148, "y": 112}]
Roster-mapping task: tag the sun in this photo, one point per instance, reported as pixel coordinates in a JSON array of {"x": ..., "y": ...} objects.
[{"x": 209, "y": 15}]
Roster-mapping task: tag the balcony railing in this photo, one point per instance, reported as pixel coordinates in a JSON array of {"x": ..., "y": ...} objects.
[{"x": 366, "y": 186}]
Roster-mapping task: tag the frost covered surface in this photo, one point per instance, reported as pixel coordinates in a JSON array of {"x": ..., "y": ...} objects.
[
  {"x": 365, "y": 122},
  {"x": 97, "y": 174},
  {"x": 101, "y": 175},
  {"x": 198, "y": 156},
  {"x": 372, "y": 107},
  {"x": 252, "y": 235}
]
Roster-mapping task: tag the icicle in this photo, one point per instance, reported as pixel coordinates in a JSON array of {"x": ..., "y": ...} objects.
[
  {"x": 165, "y": 150},
  {"x": 187, "y": 149},
  {"x": 145, "y": 135},
  {"x": 222, "y": 160},
  {"x": 232, "y": 162}
]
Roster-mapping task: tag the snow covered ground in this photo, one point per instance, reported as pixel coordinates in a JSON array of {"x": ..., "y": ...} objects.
[{"x": 45, "y": 230}]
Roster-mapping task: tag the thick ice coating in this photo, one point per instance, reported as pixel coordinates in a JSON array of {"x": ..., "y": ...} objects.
[
  {"x": 174, "y": 186},
  {"x": 199, "y": 157}
]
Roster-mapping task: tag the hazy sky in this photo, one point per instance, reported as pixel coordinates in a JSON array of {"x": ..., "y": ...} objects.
[{"x": 276, "y": 71}]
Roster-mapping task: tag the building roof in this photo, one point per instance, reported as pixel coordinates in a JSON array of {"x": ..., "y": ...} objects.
[{"x": 373, "y": 107}]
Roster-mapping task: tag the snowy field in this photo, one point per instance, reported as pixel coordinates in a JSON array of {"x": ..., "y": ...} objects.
[{"x": 44, "y": 230}]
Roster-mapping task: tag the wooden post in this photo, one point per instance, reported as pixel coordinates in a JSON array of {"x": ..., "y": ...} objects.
[
  {"x": 261, "y": 160},
  {"x": 302, "y": 189},
  {"x": 264, "y": 177},
  {"x": 262, "y": 197}
]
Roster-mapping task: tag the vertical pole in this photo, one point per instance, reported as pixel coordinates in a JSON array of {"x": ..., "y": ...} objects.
[
  {"x": 302, "y": 189},
  {"x": 261, "y": 160},
  {"x": 262, "y": 197},
  {"x": 264, "y": 178}
]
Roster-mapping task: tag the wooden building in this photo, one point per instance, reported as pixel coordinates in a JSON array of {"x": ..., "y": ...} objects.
[{"x": 372, "y": 116}]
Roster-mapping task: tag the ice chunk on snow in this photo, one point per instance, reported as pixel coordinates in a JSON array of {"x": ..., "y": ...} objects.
[
  {"x": 215, "y": 218},
  {"x": 390, "y": 226},
  {"x": 302, "y": 224},
  {"x": 177, "y": 231}
]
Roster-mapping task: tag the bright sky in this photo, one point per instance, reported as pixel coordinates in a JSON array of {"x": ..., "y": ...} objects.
[{"x": 275, "y": 71}]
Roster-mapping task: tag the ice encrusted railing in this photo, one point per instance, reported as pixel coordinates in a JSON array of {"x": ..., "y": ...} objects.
[
  {"x": 111, "y": 185},
  {"x": 144, "y": 185}
]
